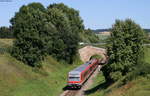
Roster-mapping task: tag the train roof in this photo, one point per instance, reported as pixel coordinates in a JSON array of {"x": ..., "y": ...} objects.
[{"x": 80, "y": 68}]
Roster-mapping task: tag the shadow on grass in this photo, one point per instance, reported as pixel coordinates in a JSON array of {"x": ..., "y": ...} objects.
[{"x": 98, "y": 87}]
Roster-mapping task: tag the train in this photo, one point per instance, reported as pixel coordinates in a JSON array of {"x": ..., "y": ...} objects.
[{"x": 78, "y": 76}]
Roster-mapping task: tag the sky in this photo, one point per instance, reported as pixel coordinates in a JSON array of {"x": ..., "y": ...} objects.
[{"x": 96, "y": 14}]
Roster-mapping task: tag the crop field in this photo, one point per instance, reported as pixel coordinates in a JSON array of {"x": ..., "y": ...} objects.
[{"x": 102, "y": 37}]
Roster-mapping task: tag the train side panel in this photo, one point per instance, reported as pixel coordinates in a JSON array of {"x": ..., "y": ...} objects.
[{"x": 86, "y": 73}]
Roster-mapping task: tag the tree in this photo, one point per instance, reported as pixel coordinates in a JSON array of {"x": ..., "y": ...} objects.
[
  {"x": 39, "y": 32},
  {"x": 29, "y": 30},
  {"x": 76, "y": 28},
  {"x": 125, "y": 49},
  {"x": 73, "y": 16},
  {"x": 65, "y": 41}
]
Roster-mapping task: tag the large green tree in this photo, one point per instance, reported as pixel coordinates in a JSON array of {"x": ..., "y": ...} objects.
[
  {"x": 74, "y": 26},
  {"x": 39, "y": 31},
  {"x": 65, "y": 41},
  {"x": 76, "y": 23},
  {"x": 125, "y": 49},
  {"x": 30, "y": 28}
]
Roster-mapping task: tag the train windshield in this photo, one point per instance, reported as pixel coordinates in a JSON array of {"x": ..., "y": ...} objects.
[{"x": 74, "y": 79}]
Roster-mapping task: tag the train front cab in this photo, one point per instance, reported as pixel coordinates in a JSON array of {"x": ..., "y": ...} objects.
[{"x": 74, "y": 82}]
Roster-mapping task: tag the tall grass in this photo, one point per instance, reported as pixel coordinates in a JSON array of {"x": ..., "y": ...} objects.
[
  {"x": 98, "y": 87},
  {"x": 18, "y": 79}
]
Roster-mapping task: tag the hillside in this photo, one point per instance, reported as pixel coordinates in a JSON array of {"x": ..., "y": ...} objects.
[
  {"x": 18, "y": 79},
  {"x": 137, "y": 87}
]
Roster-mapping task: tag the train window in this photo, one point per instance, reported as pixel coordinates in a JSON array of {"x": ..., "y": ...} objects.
[{"x": 74, "y": 79}]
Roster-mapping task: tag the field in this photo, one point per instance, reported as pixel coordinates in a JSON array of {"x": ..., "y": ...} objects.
[
  {"x": 18, "y": 79},
  {"x": 102, "y": 37},
  {"x": 137, "y": 87}
]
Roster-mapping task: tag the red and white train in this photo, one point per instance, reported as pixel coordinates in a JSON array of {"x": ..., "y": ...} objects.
[{"x": 79, "y": 75}]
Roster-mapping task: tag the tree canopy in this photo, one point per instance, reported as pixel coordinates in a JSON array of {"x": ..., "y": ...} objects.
[
  {"x": 69, "y": 26},
  {"x": 40, "y": 31},
  {"x": 62, "y": 38},
  {"x": 29, "y": 31},
  {"x": 125, "y": 49},
  {"x": 75, "y": 20}
]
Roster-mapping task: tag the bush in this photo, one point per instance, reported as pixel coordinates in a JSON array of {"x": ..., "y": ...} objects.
[{"x": 96, "y": 57}]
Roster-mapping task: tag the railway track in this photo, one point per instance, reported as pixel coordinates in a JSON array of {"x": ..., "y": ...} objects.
[{"x": 71, "y": 93}]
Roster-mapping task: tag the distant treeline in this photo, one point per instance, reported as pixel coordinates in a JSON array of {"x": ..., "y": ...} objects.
[
  {"x": 102, "y": 30},
  {"x": 147, "y": 30},
  {"x": 6, "y": 32}
]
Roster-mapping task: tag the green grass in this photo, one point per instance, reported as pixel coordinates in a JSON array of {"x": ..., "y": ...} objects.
[
  {"x": 141, "y": 88},
  {"x": 147, "y": 55},
  {"x": 137, "y": 87},
  {"x": 5, "y": 44},
  {"x": 97, "y": 87},
  {"x": 18, "y": 79}
]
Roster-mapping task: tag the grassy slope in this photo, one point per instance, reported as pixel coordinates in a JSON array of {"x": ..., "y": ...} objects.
[
  {"x": 147, "y": 55},
  {"x": 18, "y": 79},
  {"x": 138, "y": 87},
  {"x": 96, "y": 90}
]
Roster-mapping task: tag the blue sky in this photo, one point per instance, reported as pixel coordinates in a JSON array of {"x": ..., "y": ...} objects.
[{"x": 95, "y": 13}]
